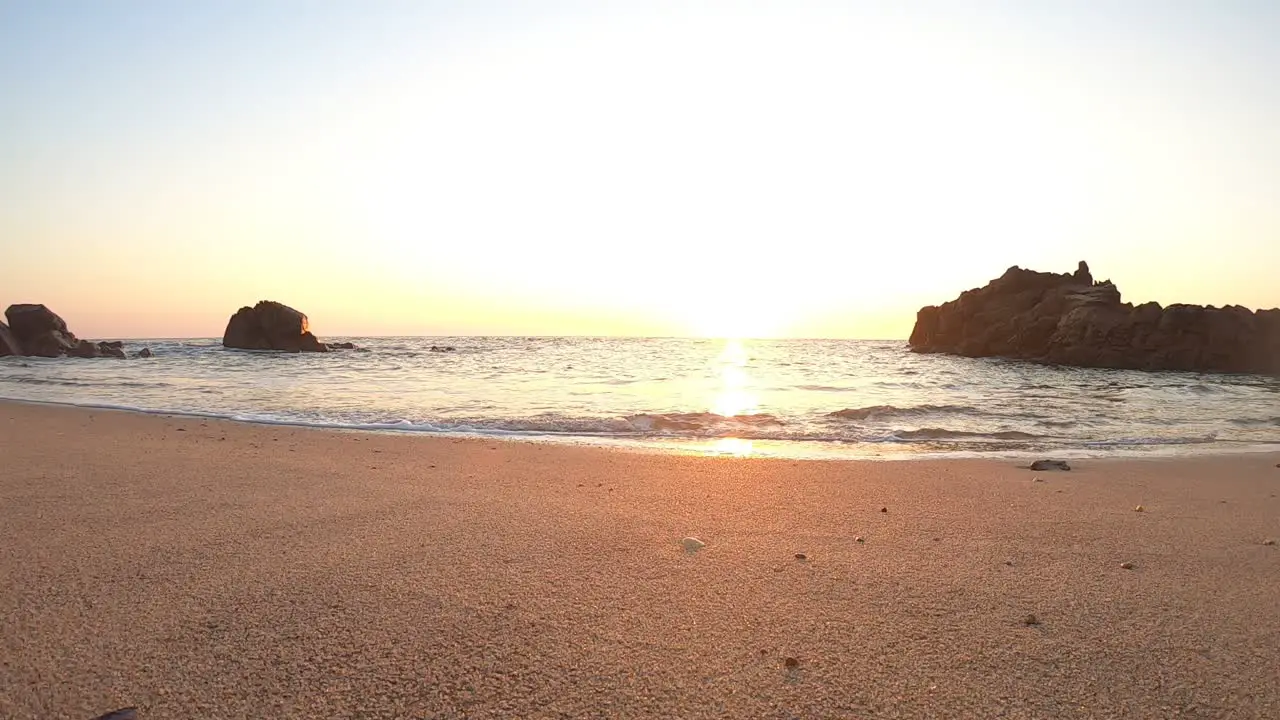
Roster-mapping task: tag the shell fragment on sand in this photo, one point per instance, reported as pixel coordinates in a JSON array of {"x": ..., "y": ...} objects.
[
  {"x": 692, "y": 544},
  {"x": 1041, "y": 465}
]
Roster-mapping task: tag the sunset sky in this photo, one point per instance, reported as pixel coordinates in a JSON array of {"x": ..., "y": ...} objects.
[{"x": 651, "y": 168}]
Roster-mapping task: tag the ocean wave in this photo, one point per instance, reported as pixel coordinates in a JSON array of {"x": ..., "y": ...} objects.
[
  {"x": 1256, "y": 422},
  {"x": 1125, "y": 442},
  {"x": 699, "y": 422},
  {"x": 67, "y": 382},
  {"x": 944, "y": 434},
  {"x": 876, "y": 412}
]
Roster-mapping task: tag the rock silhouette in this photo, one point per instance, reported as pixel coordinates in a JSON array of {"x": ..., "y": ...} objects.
[
  {"x": 270, "y": 325},
  {"x": 34, "y": 329},
  {"x": 1070, "y": 319}
]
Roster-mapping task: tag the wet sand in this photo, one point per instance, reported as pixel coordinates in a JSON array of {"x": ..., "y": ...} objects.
[{"x": 206, "y": 569}]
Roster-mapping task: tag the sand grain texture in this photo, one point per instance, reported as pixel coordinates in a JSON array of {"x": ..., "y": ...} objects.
[{"x": 236, "y": 571}]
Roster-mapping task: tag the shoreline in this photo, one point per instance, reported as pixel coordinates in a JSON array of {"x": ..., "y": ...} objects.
[
  {"x": 819, "y": 451},
  {"x": 211, "y": 569}
]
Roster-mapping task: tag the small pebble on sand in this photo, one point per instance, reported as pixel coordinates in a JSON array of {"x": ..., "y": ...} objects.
[
  {"x": 859, "y": 539},
  {"x": 1009, "y": 563},
  {"x": 1269, "y": 541},
  {"x": 1139, "y": 509},
  {"x": 1126, "y": 566},
  {"x": 801, "y": 556},
  {"x": 1030, "y": 620},
  {"x": 791, "y": 663},
  {"x": 884, "y": 509}
]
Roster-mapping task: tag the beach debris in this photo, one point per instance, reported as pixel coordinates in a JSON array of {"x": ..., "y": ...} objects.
[
  {"x": 801, "y": 556},
  {"x": 1030, "y": 619},
  {"x": 1139, "y": 508},
  {"x": 859, "y": 539},
  {"x": 1126, "y": 565},
  {"x": 692, "y": 544},
  {"x": 791, "y": 663},
  {"x": 1041, "y": 465},
  {"x": 1269, "y": 541}
]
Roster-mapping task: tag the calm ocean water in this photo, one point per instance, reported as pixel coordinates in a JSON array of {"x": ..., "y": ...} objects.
[{"x": 791, "y": 398}]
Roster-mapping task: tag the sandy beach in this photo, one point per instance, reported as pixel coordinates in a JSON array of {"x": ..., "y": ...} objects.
[{"x": 206, "y": 569}]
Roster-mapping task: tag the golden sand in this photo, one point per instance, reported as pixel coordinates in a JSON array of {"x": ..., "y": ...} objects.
[{"x": 206, "y": 569}]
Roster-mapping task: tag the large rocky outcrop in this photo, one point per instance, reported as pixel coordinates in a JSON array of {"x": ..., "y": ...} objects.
[
  {"x": 9, "y": 344},
  {"x": 271, "y": 325},
  {"x": 36, "y": 330},
  {"x": 1069, "y": 319}
]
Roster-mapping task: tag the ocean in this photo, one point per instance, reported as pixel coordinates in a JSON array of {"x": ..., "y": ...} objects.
[{"x": 780, "y": 398}]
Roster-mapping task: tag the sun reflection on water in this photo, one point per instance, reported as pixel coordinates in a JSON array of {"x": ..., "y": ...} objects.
[{"x": 733, "y": 396}]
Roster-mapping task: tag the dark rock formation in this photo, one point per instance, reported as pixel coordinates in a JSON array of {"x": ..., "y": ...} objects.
[
  {"x": 37, "y": 330},
  {"x": 1042, "y": 465},
  {"x": 1072, "y": 320},
  {"x": 144, "y": 353},
  {"x": 271, "y": 325},
  {"x": 9, "y": 344},
  {"x": 341, "y": 346},
  {"x": 29, "y": 320}
]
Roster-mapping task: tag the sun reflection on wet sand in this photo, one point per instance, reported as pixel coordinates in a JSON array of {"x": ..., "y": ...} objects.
[{"x": 730, "y": 446}]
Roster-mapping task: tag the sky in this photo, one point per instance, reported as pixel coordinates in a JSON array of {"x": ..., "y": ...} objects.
[{"x": 793, "y": 168}]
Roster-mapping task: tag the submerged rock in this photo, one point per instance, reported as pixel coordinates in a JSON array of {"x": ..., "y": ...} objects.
[
  {"x": 1070, "y": 319},
  {"x": 270, "y": 325}
]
